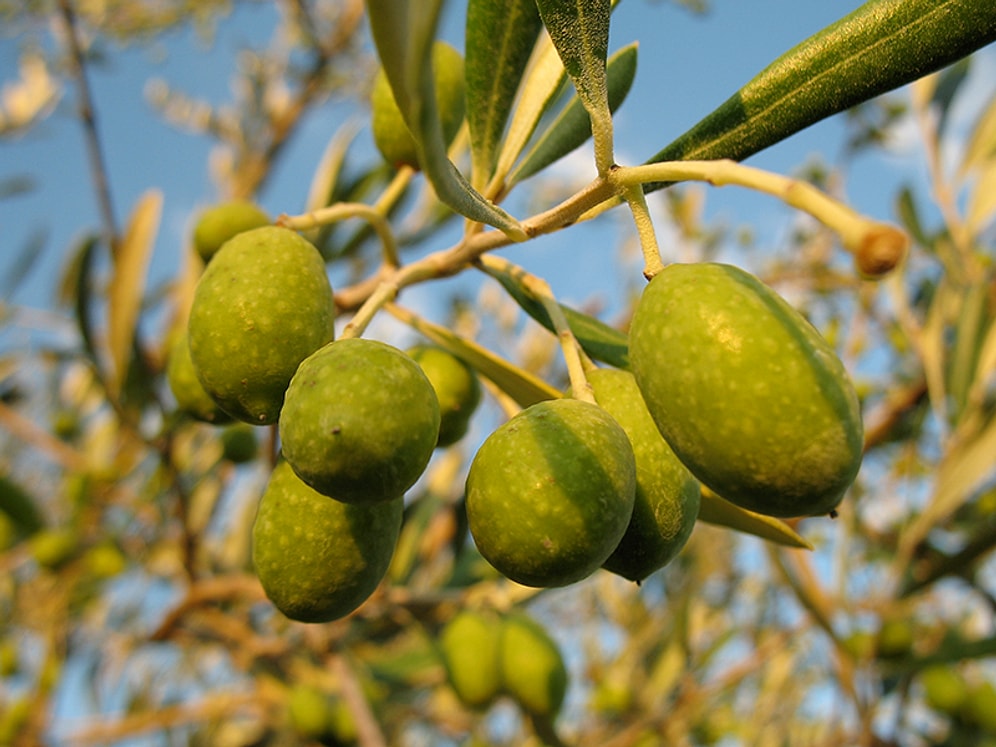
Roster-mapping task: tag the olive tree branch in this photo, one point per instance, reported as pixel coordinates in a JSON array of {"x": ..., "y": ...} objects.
[
  {"x": 343, "y": 211},
  {"x": 877, "y": 247},
  {"x": 460, "y": 256},
  {"x": 88, "y": 118}
]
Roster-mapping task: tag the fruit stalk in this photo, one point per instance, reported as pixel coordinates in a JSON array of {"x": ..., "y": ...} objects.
[
  {"x": 637, "y": 200},
  {"x": 568, "y": 343}
]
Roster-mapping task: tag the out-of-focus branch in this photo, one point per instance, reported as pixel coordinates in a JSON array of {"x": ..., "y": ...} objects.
[{"x": 88, "y": 118}]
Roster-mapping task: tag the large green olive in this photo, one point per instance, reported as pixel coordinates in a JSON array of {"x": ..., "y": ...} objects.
[
  {"x": 263, "y": 305},
  {"x": 360, "y": 421},
  {"x": 747, "y": 393},
  {"x": 550, "y": 492},
  {"x": 319, "y": 559},
  {"x": 667, "y": 495}
]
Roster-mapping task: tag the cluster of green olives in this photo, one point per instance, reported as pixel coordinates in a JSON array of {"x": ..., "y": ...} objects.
[
  {"x": 358, "y": 419},
  {"x": 487, "y": 655},
  {"x": 730, "y": 387}
]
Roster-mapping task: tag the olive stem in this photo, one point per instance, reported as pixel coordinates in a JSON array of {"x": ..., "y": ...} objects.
[
  {"x": 877, "y": 247},
  {"x": 343, "y": 211},
  {"x": 637, "y": 201},
  {"x": 385, "y": 292},
  {"x": 540, "y": 289}
]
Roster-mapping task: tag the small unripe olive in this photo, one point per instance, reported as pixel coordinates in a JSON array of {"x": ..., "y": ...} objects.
[
  {"x": 218, "y": 223},
  {"x": 391, "y": 135},
  {"x": 457, "y": 389},
  {"x": 469, "y": 645},
  {"x": 532, "y": 666}
]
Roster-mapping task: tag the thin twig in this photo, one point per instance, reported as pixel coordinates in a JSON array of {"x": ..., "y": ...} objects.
[{"x": 88, "y": 117}]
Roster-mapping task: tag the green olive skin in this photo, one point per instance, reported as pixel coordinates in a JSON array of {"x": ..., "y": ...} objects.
[
  {"x": 391, "y": 134},
  {"x": 667, "y": 495},
  {"x": 317, "y": 558},
  {"x": 457, "y": 389},
  {"x": 745, "y": 390},
  {"x": 262, "y": 306},
  {"x": 219, "y": 223},
  {"x": 550, "y": 492},
  {"x": 360, "y": 421}
]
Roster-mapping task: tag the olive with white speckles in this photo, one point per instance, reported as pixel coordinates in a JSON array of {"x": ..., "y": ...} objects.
[
  {"x": 667, "y": 495},
  {"x": 319, "y": 559},
  {"x": 745, "y": 390},
  {"x": 550, "y": 492},
  {"x": 360, "y": 421},
  {"x": 263, "y": 305}
]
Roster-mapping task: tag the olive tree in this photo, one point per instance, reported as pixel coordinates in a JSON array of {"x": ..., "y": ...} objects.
[{"x": 358, "y": 473}]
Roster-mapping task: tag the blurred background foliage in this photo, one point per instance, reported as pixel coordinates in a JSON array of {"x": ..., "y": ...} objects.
[{"x": 129, "y": 613}]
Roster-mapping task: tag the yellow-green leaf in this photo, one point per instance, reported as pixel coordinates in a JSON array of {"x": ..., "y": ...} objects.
[
  {"x": 522, "y": 386},
  {"x": 716, "y": 510},
  {"x": 127, "y": 284}
]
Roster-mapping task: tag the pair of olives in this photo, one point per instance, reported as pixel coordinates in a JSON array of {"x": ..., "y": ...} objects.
[{"x": 730, "y": 387}]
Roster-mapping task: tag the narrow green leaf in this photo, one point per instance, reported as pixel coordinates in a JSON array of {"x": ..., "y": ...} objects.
[
  {"x": 981, "y": 146},
  {"x": 127, "y": 284},
  {"x": 963, "y": 354},
  {"x": 500, "y": 37},
  {"x": 967, "y": 464},
  {"x": 572, "y": 127},
  {"x": 949, "y": 82},
  {"x": 716, "y": 510},
  {"x": 403, "y": 32},
  {"x": 982, "y": 201},
  {"x": 597, "y": 339},
  {"x": 879, "y": 47},
  {"x": 580, "y": 32},
  {"x": 522, "y": 386},
  {"x": 76, "y": 290},
  {"x": 325, "y": 182},
  {"x": 543, "y": 79},
  {"x": 909, "y": 216}
]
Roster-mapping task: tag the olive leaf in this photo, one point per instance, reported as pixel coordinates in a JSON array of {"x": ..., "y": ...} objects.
[
  {"x": 597, "y": 339},
  {"x": 404, "y": 32},
  {"x": 716, "y": 510},
  {"x": 572, "y": 127},
  {"x": 879, "y": 47},
  {"x": 127, "y": 284},
  {"x": 325, "y": 185},
  {"x": 500, "y": 37},
  {"x": 522, "y": 386},
  {"x": 541, "y": 82},
  {"x": 579, "y": 30}
]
